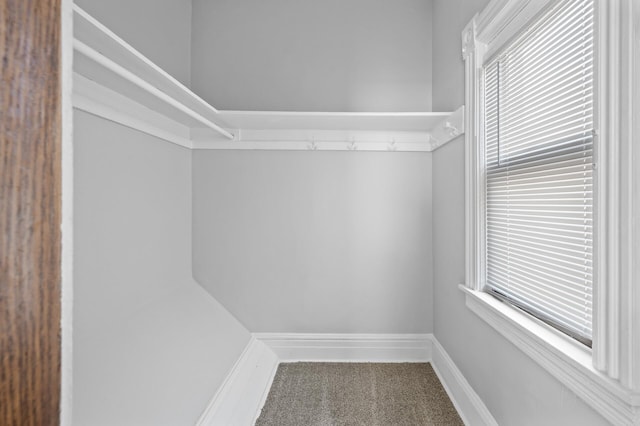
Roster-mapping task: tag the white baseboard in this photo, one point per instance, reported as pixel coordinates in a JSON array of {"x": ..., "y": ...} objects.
[
  {"x": 292, "y": 347},
  {"x": 469, "y": 405},
  {"x": 240, "y": 398}
]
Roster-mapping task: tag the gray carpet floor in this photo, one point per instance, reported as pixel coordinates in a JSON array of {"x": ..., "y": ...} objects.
[{"x": 332, "y": 394}]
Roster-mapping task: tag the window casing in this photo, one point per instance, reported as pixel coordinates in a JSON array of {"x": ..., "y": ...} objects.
[{"x": 606, "y": 375}]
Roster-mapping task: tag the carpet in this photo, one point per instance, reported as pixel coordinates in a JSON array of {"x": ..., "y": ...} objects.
[{"x": 332, "y": 394}]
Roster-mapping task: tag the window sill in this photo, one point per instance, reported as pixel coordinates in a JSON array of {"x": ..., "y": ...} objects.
[{"x": 567, "y": 360}]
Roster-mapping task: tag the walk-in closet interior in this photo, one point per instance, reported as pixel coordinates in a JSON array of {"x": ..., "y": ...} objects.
[{"x": 258, "y": 182}]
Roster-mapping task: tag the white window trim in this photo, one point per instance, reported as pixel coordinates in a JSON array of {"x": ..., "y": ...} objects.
[{"x": 607, "y": 377}]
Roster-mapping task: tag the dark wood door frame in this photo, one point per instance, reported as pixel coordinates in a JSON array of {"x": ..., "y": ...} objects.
[{"x": 30, "y": 212}]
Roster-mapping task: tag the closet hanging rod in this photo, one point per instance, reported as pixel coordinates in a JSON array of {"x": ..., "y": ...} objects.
[{"x": 95, "y": 56}]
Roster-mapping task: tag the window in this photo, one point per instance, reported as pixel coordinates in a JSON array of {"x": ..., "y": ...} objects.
[
  {"x": 552, "y": 241},
  {"x": 538, "y": 169}
]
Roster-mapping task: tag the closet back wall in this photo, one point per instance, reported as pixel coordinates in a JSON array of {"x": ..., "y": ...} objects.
[
  {"x": 309, "y": 55},
  {"x": 316, "y": 242}
]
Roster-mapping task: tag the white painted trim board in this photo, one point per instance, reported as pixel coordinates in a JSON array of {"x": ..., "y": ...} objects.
[
  {"x": 242, "y": 395},
  {"x": 66, "y": 226},
  {"x": 470, "y": 406},
  {"x": 294, "y": 347}
]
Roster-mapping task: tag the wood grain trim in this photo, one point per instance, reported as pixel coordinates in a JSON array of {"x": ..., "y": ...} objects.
[{"x": 30, "y": 212}]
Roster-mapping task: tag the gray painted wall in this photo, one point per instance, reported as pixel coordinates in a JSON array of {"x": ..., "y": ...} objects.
[
  {"x": 299, "y": 242},
  {"x": 330, "y": 55},
  {"x": 318, "y": 242},
  {"x": 151, "y": 347},
  {"x": 450, "y": 18},
  {"x": 160, "y": 29},
  {"x": 516, "y": 390}
]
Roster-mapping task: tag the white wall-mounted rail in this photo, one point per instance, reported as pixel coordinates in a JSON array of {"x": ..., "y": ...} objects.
[
  {"x": 337, "y": 131},
  {"x": 103, "y": 57},
  {"x": 356, "y": 121}
]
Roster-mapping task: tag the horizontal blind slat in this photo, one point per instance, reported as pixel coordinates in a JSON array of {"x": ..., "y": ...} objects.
[
  {"x": 539, "y": 165},
  {"x": 570, "y": 310}
]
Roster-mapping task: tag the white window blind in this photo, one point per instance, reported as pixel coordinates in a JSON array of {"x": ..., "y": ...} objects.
[{"x": 538, "y": 132}]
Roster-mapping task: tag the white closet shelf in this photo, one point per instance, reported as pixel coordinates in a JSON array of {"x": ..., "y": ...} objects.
[
  {"x": 115, "y": 81},
  {"x": 335, "y": 131},
  {"x": 101, "y": 58},
  {"x": 282, "y": 120}
]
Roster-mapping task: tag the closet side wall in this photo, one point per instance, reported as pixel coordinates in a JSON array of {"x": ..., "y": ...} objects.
[
  {"x": 516, "y": 390},
  {"x": 316, "y": 242},
  {"x": 151, "y": 347}
]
